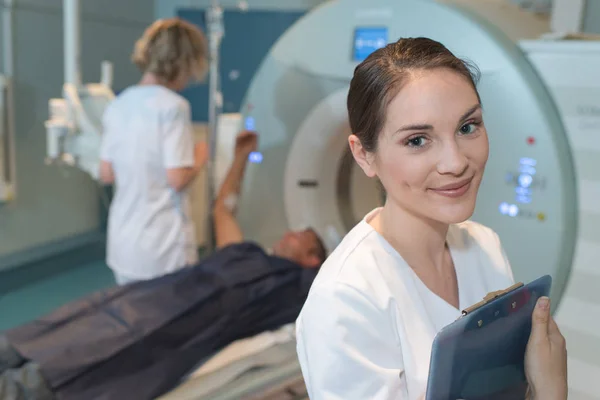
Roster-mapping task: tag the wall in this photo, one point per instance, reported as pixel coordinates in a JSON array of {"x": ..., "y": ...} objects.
[
  {"x": 238, "y": 63},
  {"x": 578, "y": 98},
  {"x": 591, "y": 17},
  {"x": 168, "y": 8},
  {"x": 54, "y": 204}
]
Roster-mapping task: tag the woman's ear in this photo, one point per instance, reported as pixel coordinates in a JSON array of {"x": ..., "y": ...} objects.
[{"x": 365, "y": 159}]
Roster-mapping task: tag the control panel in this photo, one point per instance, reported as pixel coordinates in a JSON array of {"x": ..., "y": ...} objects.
[{"x": 525, "y": 181}]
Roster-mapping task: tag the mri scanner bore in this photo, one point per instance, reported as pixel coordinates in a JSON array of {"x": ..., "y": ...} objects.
[{"x": 297, "y": 103}]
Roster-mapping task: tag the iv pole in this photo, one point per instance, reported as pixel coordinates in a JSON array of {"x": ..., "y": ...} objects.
[{"x": 214, "y": 24}]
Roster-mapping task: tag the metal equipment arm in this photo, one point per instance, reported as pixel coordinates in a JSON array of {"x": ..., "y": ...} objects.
[
  {"x": 74, "y": 130},
  {"x": 216, "y": 31}
]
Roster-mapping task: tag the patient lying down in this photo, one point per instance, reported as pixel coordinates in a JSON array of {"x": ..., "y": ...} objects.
[
  {"x": 137, "y": 341},
  {"x": 153, "y": 331}
]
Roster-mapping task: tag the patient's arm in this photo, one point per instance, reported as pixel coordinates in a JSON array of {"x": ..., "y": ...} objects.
[{"x": 227, "y": 229}]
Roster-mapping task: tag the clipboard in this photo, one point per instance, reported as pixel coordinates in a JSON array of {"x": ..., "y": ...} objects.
[{"x": 481, "y": 354}]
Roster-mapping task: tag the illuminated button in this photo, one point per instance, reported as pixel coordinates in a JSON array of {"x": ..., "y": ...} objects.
[
  {"x": 541, "y": 216},
  {"x": 249, "y": 124},
  {"x": 524, "y": 199},
  {"x": 255, "y": 157},
  {"x": 525, "y": 180},
  {"x": 504, "y": 207},
  {"x": 530, "y": 140},
  {"x": 528, "y": 161},
  {"x": 513, "y": 210},
  {"x": 521, "y": 191},
  {"x": 527, "y": 169}
]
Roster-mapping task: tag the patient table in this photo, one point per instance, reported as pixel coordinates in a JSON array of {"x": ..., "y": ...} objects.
[{"x": 263, "y": 367}]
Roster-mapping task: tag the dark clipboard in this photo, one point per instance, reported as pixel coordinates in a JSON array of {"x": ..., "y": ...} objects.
[{"x": 481, "y": 354}]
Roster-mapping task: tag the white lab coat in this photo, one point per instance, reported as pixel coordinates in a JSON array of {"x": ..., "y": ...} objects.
[
  {"x": 367, "y": 327},
  {"x": 147, "y": 130}
]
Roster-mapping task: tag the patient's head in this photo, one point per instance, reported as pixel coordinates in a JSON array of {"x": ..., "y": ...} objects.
[{"x": 303, "y": 247}]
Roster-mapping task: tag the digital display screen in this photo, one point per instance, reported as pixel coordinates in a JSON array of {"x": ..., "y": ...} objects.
[{"x": 367, "y": 40}]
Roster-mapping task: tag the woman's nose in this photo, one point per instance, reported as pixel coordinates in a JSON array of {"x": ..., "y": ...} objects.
[{"x": 452, "y": 160}]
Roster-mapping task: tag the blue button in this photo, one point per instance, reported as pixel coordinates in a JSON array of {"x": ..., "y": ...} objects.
[
  {"x": 255, "y": 157},
  {"x": 523, "y": 191},
  {"x": 524, "y": 199},
  {"x": 526, "y": 169},
  {"x": 528, "y": 161},
  {"x": 249, "y": 124},
  {"x": 525, "y": 180}
]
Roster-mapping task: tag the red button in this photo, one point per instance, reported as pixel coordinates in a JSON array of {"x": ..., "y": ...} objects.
[{"x": 530, "y": 140}]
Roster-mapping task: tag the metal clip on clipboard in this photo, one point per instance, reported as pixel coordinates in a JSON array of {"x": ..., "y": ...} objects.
[{"x": 490, "y": 297}]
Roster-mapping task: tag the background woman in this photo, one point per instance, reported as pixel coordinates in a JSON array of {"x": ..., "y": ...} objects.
[{"x": 148, "y": 152}]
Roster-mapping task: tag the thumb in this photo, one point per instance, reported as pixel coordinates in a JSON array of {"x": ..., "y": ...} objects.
[{"x": 540, "y": 318}]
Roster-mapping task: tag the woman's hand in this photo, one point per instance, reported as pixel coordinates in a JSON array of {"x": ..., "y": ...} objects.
[{"x": 546, "y": 356}]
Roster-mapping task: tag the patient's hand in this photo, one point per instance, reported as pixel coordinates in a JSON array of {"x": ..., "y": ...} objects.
[
  {"x": 546, "y": 356},
  {"x": 245, "y": 143}
]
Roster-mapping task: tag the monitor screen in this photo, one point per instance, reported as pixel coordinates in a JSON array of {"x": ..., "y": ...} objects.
[{"x": 367, "y": 40}]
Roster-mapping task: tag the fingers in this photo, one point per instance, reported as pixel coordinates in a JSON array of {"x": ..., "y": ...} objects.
[
  {"x": 246, "y": 134},
  {"x": 246, "y": 138},
  {"x": 540, "y": 318}
]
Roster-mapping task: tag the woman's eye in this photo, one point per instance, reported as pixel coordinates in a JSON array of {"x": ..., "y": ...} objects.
[
  {"x": 468, "y": 128},
  {"x": 417, "y": 141}
]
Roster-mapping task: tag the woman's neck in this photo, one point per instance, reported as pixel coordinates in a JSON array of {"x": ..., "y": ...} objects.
[
  {"x": 150, "y": 79},
  {"x": 421, "y": 242}
]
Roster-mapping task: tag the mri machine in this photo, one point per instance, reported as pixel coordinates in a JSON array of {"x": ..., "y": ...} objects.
[
  {"x": 297, "y": 103},
  {"x": 306, "y": 176}
]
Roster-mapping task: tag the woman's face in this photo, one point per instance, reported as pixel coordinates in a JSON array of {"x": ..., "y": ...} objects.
[{"x": 432, "y": 151}]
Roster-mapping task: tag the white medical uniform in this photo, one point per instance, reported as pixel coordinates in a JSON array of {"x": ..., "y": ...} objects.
[
  {"x": 367, "y": 327},
  {"x": 147, "y": 130}
]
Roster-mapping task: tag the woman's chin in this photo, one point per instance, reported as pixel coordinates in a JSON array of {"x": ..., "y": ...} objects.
[{"x": 455, "y": 214}]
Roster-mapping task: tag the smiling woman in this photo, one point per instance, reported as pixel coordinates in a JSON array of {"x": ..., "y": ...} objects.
[
  {"x": 433, "y": 143},
  {"x": 408, "y": 268}
]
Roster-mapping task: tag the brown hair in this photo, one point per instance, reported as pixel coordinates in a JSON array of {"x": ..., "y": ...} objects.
[
  {"x": 379, "y": 78},
  {"x": 171, "y": 47}
]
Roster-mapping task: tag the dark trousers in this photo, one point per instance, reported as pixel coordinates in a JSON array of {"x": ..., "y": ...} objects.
[{"x": 19, "y": 379}]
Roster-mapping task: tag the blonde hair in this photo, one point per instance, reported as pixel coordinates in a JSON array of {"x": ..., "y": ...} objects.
[{"x": 171, "y": 47}]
